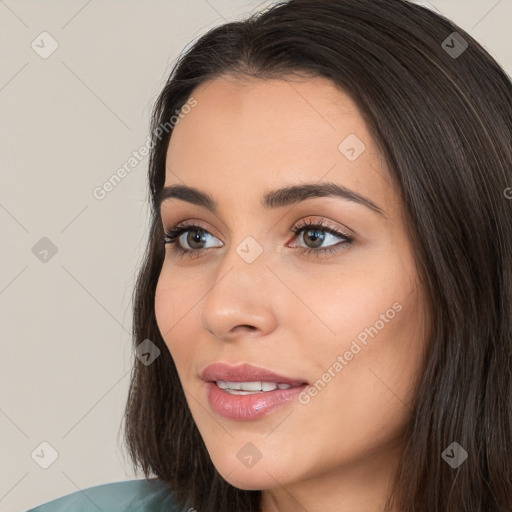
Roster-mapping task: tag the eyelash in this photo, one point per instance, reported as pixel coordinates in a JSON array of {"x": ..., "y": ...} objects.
[{"x": 176, "y": 231}]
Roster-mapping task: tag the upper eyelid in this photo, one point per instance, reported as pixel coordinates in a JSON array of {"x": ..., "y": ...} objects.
[
  {"x": 320, "y": 218},
  {"x": 189, "y": 225},
  {"x": 327, "y": 226}
]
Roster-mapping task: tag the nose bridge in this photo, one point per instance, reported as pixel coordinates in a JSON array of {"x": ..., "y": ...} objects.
[
  {"x": 248, "y": 247},
  {"x": 239, "y": 295},
  {"x": 247, "y": 257}
]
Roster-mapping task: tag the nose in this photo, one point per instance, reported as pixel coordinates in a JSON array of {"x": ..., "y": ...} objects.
[{"x": 241, "y": 301}]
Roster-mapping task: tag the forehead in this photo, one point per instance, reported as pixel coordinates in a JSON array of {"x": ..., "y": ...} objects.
[{"x": 257, "y": 134}]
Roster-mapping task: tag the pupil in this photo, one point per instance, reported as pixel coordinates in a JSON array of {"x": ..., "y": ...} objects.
[
  {"x": 193, "y": 238},
  {"x": 317, "y": 239}
]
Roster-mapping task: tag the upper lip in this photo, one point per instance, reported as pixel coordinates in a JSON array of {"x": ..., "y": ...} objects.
[{"x": 246, "y": 373}]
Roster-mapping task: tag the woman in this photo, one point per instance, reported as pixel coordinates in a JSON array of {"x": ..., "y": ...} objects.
[{"x": 323, "y": 317}]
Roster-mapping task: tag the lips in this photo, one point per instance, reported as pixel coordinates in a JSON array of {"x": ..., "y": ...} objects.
[
  {"x": 246, "y": 373},
  {"x": 246, "y": 392}
]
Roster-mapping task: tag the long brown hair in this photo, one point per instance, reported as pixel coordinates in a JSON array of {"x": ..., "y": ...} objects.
[{"x": 440, "y": 109}]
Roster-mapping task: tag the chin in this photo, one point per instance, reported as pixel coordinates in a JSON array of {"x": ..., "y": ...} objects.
[
  {"x": 264, "y": 474},
  {"x": 248, "y": 480}
]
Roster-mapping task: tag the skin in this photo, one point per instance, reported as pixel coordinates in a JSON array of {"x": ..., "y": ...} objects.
[{"x": 291, "y": 312}]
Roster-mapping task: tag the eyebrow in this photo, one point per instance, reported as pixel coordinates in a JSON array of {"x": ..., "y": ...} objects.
[{"x": 274, "y": 199}]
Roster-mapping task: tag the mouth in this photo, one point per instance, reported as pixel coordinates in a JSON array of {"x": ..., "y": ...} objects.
[{"x": 247, "y": 392}]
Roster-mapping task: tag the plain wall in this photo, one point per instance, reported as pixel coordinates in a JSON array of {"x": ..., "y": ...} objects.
[{"x": 69, "y": 122}]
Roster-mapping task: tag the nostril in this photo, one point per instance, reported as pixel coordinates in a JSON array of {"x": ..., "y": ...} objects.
[{"x": 249, "y": 327}]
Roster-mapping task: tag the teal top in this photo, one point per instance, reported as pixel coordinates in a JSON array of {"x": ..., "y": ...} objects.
[{"x": 128, "y": 496}]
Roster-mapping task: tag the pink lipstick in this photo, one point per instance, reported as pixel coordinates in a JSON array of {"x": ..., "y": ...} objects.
[{"x": 246, "y": 392}]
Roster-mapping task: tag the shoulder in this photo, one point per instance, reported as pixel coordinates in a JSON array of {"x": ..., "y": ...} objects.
[{"x": 127, "y": 496}]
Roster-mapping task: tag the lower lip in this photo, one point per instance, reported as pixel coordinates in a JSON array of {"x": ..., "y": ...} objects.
[{"x": 248, "y": 407}]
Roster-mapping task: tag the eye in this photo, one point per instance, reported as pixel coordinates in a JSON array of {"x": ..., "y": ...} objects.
[
  {"x": 187, "y": 234},
  {"x": 314, "y": 234},
  {"x": 187, "y": 239}
]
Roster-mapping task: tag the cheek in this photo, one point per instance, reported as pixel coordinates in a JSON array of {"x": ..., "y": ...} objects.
[
  {"x": 375, "y": 317},
  {"x": 364, "y": 400},
  {"x": 352, "y": 302},
  {"x": 164, "y": 307},
  {"x": 172, "y": 313},
  {"x": 172, "y": 302}
]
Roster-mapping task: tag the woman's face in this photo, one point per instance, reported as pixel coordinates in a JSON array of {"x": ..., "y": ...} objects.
[{"x": 343, "y": 316}]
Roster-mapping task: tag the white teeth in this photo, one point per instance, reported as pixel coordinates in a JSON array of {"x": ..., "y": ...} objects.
[
  {"x": 268, "y": 386},
  {"x": 246, "y": 388},
  {"x": 250, "y": 386}
]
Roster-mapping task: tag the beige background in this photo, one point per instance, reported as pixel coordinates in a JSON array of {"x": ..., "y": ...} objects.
[{"x": 68, "y": 123}]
